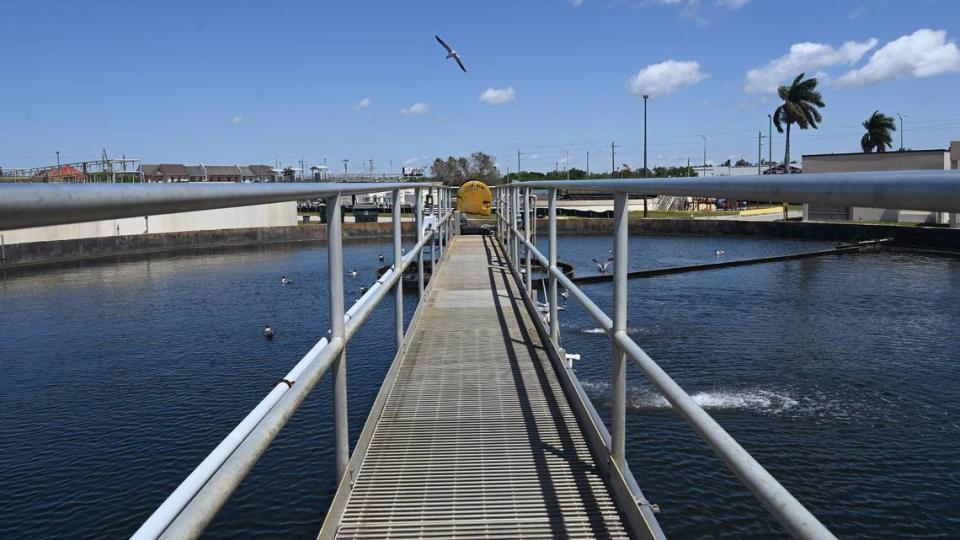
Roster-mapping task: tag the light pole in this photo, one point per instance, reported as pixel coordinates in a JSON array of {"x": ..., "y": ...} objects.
[
  {"x": 901, "y": 131},
  {"x": 345, "y": 169},
  {"x": 58, "y": 161},
  {"x": 588, "y": 163},
  {"x": 645, "y": 97}
]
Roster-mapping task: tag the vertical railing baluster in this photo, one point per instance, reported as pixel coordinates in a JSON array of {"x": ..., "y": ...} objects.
[
  {"x": 339, "y": 368},
  {"x": 514, "y": 214},
  {"x": 528, "y": 261},
  {"x": 440, "y": 216},
  {"x": 618, "y": 402},
  {"x": 398, "y": 266},
  {"x": 552, "y": 233},
  {"x": 418, "y": 223}
]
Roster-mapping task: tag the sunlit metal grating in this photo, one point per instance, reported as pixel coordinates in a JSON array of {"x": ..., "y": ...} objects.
[{"x": 476, "y": 439}]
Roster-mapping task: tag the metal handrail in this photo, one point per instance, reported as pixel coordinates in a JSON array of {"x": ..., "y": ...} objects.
[
  {"x": 33, "y": 205},
  {"x": 918, "y": 190},
  {"x": 193, "y": 504},
  {"x": 933, "y": 190}
]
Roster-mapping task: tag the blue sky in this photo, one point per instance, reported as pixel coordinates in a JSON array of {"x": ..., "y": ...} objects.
[{"x": 250, "y": 82}]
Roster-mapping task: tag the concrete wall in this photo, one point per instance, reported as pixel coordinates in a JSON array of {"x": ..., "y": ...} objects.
[
  {"x": 881, "y": 161},
  {"x": 262, "y": 215}
]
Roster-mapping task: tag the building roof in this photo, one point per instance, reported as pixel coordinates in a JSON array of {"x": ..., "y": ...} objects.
[
  {"x": 194, "y": 171},
  {"x": 247, "y": 172},
  {"x": 262, "y": 170},
  {"x": 174, "y": 169},
  {"x": 222, "y": 170},
  {"x": 150, "y": 169},
  {"x": 889, "y": 152}
]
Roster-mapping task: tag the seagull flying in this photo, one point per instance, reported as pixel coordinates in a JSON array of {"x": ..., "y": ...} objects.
[
  {"x": 452, "y": 53},
  {"x": 602, "y": 266}
]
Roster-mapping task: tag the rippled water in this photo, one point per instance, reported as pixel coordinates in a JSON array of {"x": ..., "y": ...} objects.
[{"x": 837, "y": 373}]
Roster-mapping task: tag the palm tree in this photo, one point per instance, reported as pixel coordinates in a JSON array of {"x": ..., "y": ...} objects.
[
  {"x": 879, "y": 127},
  {"x": 800, "y": 106}
]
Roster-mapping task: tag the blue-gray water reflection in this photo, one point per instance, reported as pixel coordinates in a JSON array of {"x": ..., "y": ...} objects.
[{"x": 834, "y": 372}]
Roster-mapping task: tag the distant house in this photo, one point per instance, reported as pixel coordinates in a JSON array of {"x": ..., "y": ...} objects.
[
  {"x": 263, "y": 173},
  {"x": 169, "y": 172},
  {"x": 61, "y": 173},
  {"x": 175, "y": 172},
  {"x": 223, "y": 173}
]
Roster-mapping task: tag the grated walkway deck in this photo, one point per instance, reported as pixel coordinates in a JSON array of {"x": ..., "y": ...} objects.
[{"x": 476, "y": 439}]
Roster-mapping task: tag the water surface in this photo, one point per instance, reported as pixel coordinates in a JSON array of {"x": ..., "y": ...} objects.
[{"x": 835, "y": 372}]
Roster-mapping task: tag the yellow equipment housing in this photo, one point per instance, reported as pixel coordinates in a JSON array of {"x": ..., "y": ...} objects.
[{"x": 474, "y": 197}]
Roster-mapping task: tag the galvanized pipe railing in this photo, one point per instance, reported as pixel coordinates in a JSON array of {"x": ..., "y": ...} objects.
[
  {"x": 193, "y": 504},
  {"x": 917, "y": 190}
]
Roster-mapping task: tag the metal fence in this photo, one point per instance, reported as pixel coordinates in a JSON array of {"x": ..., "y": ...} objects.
[
  {"x": 194, "y": 503},
  {"x": 916, "y": 190}
]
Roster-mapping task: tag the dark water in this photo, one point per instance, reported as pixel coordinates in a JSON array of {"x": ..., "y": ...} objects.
[{"x": 837, "y": 373}]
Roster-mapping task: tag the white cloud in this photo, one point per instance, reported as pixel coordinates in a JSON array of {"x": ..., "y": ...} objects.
[
  {"x": 665, "y": 78},
  {"x": 497, "y": 96},
  {"x": 237, "y": 119},
  {"x": 732, "y": 4},
  {"x": 924, "y": 53},
  {"x": 576, "y": 3},
  {"x": 804, "y": 57},
  {"x": 362, "y": 104},
  {"x": 415, "y": 109}
]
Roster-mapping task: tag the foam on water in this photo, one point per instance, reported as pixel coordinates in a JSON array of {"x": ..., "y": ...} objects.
[{"x": 756, "y": 400}]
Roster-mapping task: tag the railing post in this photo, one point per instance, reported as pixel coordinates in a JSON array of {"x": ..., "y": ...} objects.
[
  {"x": 398, "y": 266},
  {"x": 526, "y": 237},
  {"x": 552, "y": 232},
  {"x": 339, "y": 368},
  {"x": 418, "y": 211},
  {"x": 618, "y": 402},
  {"x": 514, "y": 214},
  {"x": 440, "y": 215}
]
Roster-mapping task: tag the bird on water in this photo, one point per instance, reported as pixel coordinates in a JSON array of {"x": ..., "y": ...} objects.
[
  {"x": 352, "y": 273},
  {"x": 452, "y": 53},
  {"x": 602, "y": 265},
  {"x": 719, "y": 252},
  {"x": 268, "y": 332},
  {"x": 285, "y": 281},
  {"x": 380, "y": 257}
]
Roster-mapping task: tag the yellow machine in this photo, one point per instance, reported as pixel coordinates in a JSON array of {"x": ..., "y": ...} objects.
[{"x": 474, "y": 197}]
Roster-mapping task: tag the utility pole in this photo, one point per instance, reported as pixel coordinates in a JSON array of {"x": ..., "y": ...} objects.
[
  {"x": 770, "y": 141},
  {"x": 900, "y": 116},
  {"x": 704, "y": 137},
  {"x": 759, "y": 151},
  {"x": 371, "y": 169},
  {"x": 59, "y": 173},
  {"x": 645, "y": 97},
  {"x": 613, "y": 159},
  {"x": 588, "y": 163},
  {"x": 518, "y": 164},
  {"x": 345, "y": 169}
]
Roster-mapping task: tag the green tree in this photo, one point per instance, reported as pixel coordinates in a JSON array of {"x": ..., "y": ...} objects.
[
  {"x": 801, "y": 103},
  {"x": 454, "y": 171},
  {"x": 879, "y": 135}
]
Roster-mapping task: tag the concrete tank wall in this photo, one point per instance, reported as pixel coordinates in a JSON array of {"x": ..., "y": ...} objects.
[{"x": 282, "y": 214}]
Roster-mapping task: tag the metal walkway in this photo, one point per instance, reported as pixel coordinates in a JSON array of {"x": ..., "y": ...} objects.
[{"x": 476, "y": 437}]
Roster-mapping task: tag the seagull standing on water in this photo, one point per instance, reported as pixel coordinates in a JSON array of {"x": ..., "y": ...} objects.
[
  {"x": 452, "y": 53},
  {"x": 602, "y": 265}
]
